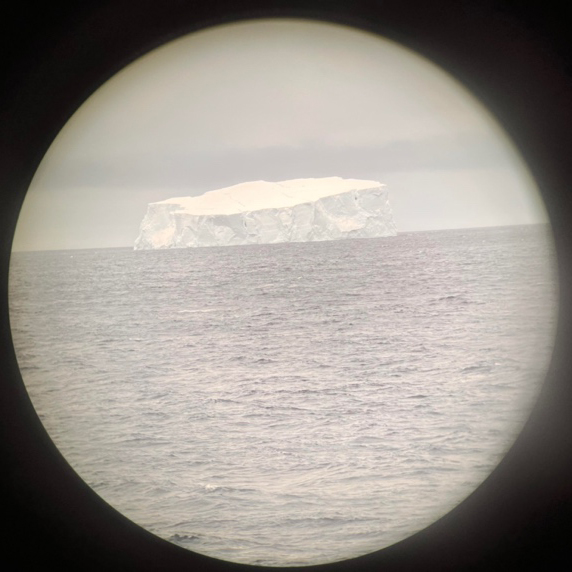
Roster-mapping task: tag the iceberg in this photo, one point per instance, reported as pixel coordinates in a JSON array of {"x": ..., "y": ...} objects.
[{"x": 261, "y": 212}]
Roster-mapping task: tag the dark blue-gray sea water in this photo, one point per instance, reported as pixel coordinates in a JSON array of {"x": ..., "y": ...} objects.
[{"x": 288, "y": 404}]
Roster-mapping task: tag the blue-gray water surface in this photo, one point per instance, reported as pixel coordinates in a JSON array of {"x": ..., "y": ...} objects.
[{"x": 288, "y": 404}]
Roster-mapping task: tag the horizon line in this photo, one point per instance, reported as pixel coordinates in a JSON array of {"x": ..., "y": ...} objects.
[{"x": 131, "y": 246}]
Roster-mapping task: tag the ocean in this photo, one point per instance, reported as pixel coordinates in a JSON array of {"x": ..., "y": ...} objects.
[{"x": 288, "y": 404}]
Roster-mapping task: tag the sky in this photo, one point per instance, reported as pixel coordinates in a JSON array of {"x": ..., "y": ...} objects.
[{"x": 275, "y": 100}]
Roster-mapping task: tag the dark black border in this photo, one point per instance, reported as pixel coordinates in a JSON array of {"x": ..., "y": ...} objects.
[{"x": 515, "y": 56}]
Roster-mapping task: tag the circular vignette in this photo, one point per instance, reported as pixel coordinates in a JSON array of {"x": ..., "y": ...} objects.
[{"x": 507, "y": 57}]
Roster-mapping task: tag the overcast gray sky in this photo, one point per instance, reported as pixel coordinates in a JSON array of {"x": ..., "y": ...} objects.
[{"x": 274, "y": 100}]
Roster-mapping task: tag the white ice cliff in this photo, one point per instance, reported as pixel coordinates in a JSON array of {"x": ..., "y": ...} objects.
[{"x": 299, "y": 210}]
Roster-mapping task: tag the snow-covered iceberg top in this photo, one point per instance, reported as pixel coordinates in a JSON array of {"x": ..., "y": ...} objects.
[
  {"x": 259, "y": 212},
  {"x": 258, "y": 195}
]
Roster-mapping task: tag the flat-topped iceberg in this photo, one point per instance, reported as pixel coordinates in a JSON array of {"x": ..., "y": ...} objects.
[{"x": 259, "y": 212}]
